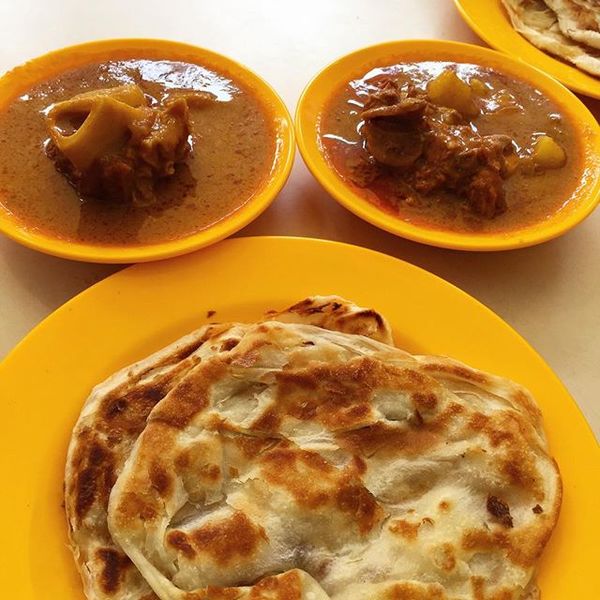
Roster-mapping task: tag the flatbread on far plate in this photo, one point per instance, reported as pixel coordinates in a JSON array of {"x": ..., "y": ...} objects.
[
  {"x": 538, "y": 23},
  {"x": 578, "y": 19}
]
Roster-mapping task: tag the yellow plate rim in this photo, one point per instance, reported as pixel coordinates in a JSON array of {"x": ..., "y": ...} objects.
[
  {"x": 77, "y": 346},
  {"x": 329, "y": 77},
  {"x": 229, "y": 224}
]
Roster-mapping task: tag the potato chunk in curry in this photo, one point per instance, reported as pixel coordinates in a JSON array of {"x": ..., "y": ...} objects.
[
  {"x": 111, "y": 144},
  {"x": 447, "y": 89},
  {"x": 547, "y": 154}
]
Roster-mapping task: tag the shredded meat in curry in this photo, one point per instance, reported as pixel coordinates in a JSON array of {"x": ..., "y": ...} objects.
[{"x": 434, "y": 147}]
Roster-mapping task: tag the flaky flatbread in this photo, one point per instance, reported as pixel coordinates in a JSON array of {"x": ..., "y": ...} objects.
[
  {"x": 578, "y": 19},
  {"x": 115, "y": 414},
  {"x": 538, "y": 23},
  {"x": 305, "y": 457},
  {"x": 379, "y": 474}
]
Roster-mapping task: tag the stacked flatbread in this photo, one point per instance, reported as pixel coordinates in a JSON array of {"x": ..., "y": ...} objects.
[
  {"x": 569, "y": 29},
  {"x": 305, "y": 457}
]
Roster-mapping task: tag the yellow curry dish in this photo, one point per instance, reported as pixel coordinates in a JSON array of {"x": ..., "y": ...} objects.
[
  {"x": 452, "y": 146},
  {"x": 136, "y": 146}
]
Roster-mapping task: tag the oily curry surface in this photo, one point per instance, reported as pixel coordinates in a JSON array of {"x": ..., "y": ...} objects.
[
  {"x": 232, "y": 152},
  {"x": 506, "y": 123}
]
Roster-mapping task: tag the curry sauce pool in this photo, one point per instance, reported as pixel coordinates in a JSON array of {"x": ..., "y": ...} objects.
[
  {"x": 465, "y": 161},
  {"x": 233, "y": 152}
]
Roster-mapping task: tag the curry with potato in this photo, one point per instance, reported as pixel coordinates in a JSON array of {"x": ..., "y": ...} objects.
[
  {"x": 132, "y": 152},
  {"x": 452, "y": 146}
]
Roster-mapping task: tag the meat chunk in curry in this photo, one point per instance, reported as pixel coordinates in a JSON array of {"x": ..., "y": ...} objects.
[
  {"x": 149, "y": 150},
  {"x": 111, "y": 144},
  {"x": 436, "y": 147},
  {"x": 451, "y": 146}
]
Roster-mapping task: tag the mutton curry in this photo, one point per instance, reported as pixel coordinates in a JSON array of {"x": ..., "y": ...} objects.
[{"x": 452, "y": 146}]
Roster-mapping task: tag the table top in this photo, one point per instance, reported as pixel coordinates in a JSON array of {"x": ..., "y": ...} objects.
[{"x": 549, "y": 293}]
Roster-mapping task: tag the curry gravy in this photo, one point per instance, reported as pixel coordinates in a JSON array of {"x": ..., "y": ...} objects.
[
  {"x": 511, "y": 107},
  {"x": 233, "y": 151}
]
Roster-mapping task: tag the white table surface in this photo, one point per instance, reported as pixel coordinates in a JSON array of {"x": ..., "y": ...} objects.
[{"x": 550, "y": 293}]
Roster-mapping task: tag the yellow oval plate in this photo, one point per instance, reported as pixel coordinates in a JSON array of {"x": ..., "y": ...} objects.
[
  {"x": 17, "y": 81},
  {"x": 45, "y": 380},
  {"x": 489, "y": 20},
  {"x": 329, "y": 80}
]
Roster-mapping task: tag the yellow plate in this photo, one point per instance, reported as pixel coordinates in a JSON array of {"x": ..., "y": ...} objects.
[
  {"x": 45, "y": 380},
  {"x": 489, "y": 20},
  {"x": 319, "y": 90},
  {"x": 17, "y": 81}
]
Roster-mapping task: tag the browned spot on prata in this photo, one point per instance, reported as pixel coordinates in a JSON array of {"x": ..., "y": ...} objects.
[
  {"x": 160, "y": 478},
  {"x": 229, "y": 344},
  {"x": 444, "y": 505},
  {"x": 339, "y": 396},
  {"x": 335, "y": 396},
  {"x": 520, "y": 470},
  {"x": 136, "y": 505},
  {"x": 523, "y": 550},
  {"x": 412, "y": 438},
  {"x": 355, "y": 500},
  {"x": 268, "y": 422},
  {"x": 124, "y": 410},
  {"x": 306, "y": 475},
  {"x": 381, "y": 437},
  {"x": 521, "y": 398},
  {"x": 251, "y": 447},
  {"x": 189, "y": 462},
  {"x": 486, "y": 424},
  {"x": 314, "y": 483},
  {"x": 478, "y": 587},
  {"x": 127, "y": 412},
  {"x": 287, "y": 586},
  {"x": 179, "y": 540},
  {"x": 445, "y": 558},
  {"x": 537, "y": 509},
  {"x": 508, "y": 431},
  {"x": 95, "y": 474},
  {"x": 190, "y": 396},
  {"x": 112, "y": 571},
  {"x": 247, "y": 359},
  {"x": 404, "y": 528},
  {"x": 359, "y": 464},
  {"x": 307, "y": 306},
  {"x": 213, "y": 472},
  {"x": 228, "y": 540},
  {"x": 183, "y": 460},
  {"x": 415, "y": 591},
  {"x": 424, "y": 400},
  {"x": 500, "y": 510},
  {"x": 369, "y": 313}
]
